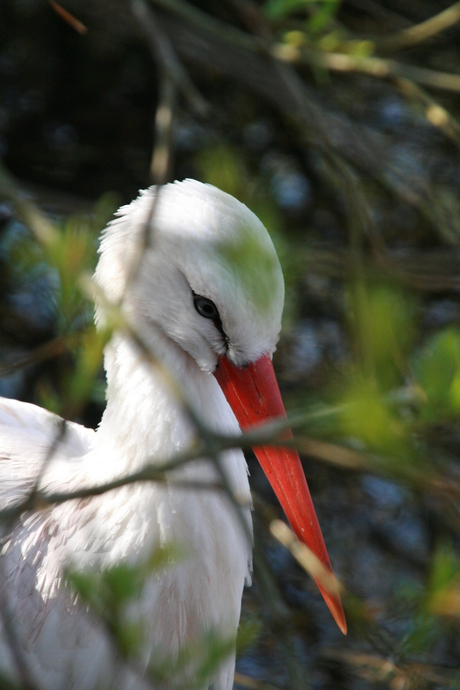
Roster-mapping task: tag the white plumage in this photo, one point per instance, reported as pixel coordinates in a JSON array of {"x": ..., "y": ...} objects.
[
  {"x": 196, "y": 233},
  {"x": 200, "y": 283}
]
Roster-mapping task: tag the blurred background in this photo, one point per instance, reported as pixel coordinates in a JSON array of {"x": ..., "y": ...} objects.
[{"x": 336, "y": 121}]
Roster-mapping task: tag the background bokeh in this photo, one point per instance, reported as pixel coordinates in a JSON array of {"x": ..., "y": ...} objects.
[{"x": 336, "y": 122}]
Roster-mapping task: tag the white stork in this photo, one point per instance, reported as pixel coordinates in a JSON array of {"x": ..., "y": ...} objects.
[{"x": 206, "y": 299}]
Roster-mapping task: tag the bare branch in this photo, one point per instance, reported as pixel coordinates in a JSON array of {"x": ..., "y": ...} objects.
[
  {"x": 419, "y": 33},
  {"x": 305, "y": 557},
  {"x": 251, "y": 62},
  {"x": 165, "y": 54},
  {"x": 161, "y": 159}
]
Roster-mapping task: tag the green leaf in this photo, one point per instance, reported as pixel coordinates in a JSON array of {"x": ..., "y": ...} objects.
[
  {"x": 443, "y": 589},
  {"x": 278, "y": 9},
  {"x": 222, "y": 167},
  {"x": 249, "y": 632},
  {"x": 437, "y": 369},
  {"x": 423, "y": 634},
  {"x": 382, "y": 321},
  {"x": 129, "y": 637},
  {"x": 368, "y": 416},
  {"x": 80, "y": 381},
  {"x": 87, "y": 586},
  {"x": 322, "y": 18},
  {"x": 122, "y": 583}
]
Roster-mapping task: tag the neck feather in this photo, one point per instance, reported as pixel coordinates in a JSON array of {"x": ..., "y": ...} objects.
[{"x": 144, "y": 417}]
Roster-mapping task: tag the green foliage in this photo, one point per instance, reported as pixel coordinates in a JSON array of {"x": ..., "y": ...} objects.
[
  {"x": 223, "y": 167},
  {"x": 318, "y": 29},
  {"x": 442, "y": 597},
  {"x": 393, "y": 390},
  {"x": 256, "y": 276},
  {"x": 109, "y": 593},
  {"x": 79, "y": 382},
  {"x": 437, "y": 370},
  {"x": 68, "y": 257},
  {"x": 321, "y": 11},
  {"x": 397, "y": 384},
  {"x": 64, "y": 260},
  {"x": 424, "y": 632},
  {"x": 368, "y": 416},
  {"x": 249, "y": 632},
  {"x": 323, "y": 16},
  {"x": 196, "y": 662},
  {"x": 73, "y": 255},
  {"x": 382, "y": 321},
  {"x": 435, "y": 607},
  {"x": 278, "y": 9},
  {"x": 7, "y": 684}
]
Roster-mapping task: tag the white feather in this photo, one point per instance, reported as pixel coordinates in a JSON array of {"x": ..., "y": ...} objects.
[{"x": 195, "y": 232}]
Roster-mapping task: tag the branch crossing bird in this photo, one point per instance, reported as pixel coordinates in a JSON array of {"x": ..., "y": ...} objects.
[{"x": 206, "y": 299}]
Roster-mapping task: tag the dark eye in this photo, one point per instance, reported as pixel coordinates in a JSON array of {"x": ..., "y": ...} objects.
[{"x": 205, "y": 307}]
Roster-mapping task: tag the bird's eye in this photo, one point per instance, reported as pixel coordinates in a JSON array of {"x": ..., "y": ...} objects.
[{"x": 205, "y": 307}]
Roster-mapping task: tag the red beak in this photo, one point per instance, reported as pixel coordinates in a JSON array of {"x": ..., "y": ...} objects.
[{"x": 253, "y": 394}]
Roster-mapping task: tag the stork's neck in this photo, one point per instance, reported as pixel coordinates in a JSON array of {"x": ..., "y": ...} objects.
[{"x": 144, "y": 417}]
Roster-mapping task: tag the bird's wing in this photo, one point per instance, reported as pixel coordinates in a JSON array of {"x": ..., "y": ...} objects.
[{"x": 30, "y": 438}]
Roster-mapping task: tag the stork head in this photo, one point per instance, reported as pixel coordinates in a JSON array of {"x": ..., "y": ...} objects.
[
  {"x": 210, "y": 264},
  {"x": 195, "y": 265}
]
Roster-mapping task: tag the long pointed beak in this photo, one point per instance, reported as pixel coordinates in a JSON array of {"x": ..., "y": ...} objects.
[{"x": 253, "y": 394}]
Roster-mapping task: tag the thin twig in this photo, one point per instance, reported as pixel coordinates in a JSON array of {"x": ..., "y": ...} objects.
[
  {"x": 305, "y": 557},
  {"x": 377, "y": 67},
  {"x": 69, "y": 18},
  {"x": 383, "y": 15},
  {"x": 204, "y": 40},
  {"x": 420, "y": 33},
  {"x": 48, "y": 350},
  {"x": 345, "y": 458},
  {"x": 161, "y": 159},
  {"x": 209, "y": 445},
  {"x": 199, "y": 19},
  {"x": 434, "y": 112},
  {"x": 379, "y": 668},
  {"x": 164, "y": 52},
  {"x": 252, "y": 683}
]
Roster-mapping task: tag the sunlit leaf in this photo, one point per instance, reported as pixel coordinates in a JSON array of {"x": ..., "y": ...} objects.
[
  {"x": 88, "y": 362},
  {"x": 443, "y": 591},
  {"x": 249, "y": 631},
  {"x": 164, "y": 556},
  {"x": 366, "y": 415},
  {"x": 277, "y": 9},
  {"x": 362, "y": 49},
  {"x": 129, "y": 637},
  {"x": 383, "y": 322},
  {"x": 223, "y": 168},
  {"x": 122, "y": 582},
  {"x": 423, "y": 634},
  {"x": 437, "y": 369},
  {"x": 321, "y": 19}
]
